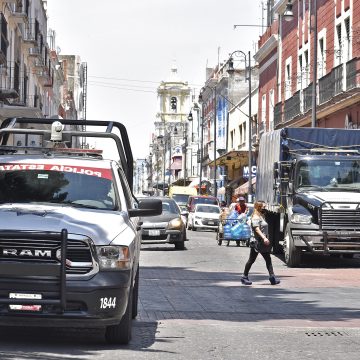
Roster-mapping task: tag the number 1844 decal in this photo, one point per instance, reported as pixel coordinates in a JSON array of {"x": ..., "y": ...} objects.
[{"x": 108, "y": 302}]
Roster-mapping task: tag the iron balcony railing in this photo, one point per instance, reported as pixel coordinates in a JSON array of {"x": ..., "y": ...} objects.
[
  {"x": 307, "y": 98},
  {"x": 292, "y": 107},
  {"x": 278, "y": 114},
  {"x": 331, "y": 84},
  {"x": 352, "y": 74}
]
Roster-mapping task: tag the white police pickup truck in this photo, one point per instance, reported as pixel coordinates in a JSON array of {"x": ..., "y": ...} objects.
[{"x": 69, "y": 228}]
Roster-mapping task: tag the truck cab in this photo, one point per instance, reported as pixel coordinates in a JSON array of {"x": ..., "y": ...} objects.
[
  {"x": 323, "y": 206},
  {"x": 69, "y": 229}
]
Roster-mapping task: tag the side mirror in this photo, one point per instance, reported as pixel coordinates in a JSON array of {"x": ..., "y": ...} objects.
[
  {"x": 147, "y": 207},
  {"x": 291, "y": 187}
]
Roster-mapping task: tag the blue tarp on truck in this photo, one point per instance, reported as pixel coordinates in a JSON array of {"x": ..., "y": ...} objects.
[{"x": 280, "y": 145}]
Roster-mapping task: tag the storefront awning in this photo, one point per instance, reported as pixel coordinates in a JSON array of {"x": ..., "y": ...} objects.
[
  {"x": 234, "y": 183},
  {"x": 244, "y": 188},
  {"x": 234, "y": 157},
  {"x": 176, "y": 165}
]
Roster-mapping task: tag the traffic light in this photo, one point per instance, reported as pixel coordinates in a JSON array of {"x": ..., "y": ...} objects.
[{"x": 173, "y": 102}]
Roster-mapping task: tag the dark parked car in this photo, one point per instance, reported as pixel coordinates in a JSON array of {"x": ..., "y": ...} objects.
[{"x": 167, "y": 228}]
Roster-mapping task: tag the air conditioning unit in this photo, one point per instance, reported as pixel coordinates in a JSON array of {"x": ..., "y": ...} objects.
[{"x": 34, "y": 51}]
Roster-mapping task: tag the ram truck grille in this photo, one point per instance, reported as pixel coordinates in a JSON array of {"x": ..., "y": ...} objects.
[{"x": 20, "y": 249}]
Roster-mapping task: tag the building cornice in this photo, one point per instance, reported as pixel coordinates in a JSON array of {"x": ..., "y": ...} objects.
[{"x": 266, "y": 49}]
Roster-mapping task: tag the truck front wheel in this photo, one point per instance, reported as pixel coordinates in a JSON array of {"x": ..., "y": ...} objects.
[
  {"x": 121, "y": 333},
  {"x": 135, "y": 297},
  {"x": 292, "y": 254}
]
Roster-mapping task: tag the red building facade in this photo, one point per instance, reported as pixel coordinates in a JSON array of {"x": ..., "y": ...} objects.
[{"x": 286, "y": 72}]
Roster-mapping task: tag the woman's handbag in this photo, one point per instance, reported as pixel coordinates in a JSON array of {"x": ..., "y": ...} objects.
[{"x": 253, "y": 242}]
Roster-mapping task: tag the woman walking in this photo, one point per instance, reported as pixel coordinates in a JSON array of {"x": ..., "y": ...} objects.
[{"x": 263, "y": 246}]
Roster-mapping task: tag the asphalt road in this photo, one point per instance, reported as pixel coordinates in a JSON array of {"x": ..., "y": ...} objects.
[{"x": 193, "y": 306}]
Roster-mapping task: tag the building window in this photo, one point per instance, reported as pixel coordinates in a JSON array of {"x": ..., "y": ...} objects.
[
  {"x": 245, "y": 133},
  {"x": 4, "y": 43},
  {"x": 173, "y": 103},
  {"x": 306, "y": 68},
  {"x": 300, "y": 77},
  {"x": 263, "y": 111},
  {"x": 347, "y": 39},
  {"x": 338, "y": 45},
  {"x": 271, "y": 110},
  {"x": 322, "y": 59},
  {"x": 288, "y": 79}
]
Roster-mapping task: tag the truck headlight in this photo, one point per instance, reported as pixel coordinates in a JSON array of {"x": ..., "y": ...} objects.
[
  {"x": 113, "y": 257},
  {"x": 301, "y": 219},
  {"x": 175, "y": 224}
]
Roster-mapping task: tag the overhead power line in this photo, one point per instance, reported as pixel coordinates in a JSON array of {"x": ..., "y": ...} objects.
[{"x": 122, "y": 88}]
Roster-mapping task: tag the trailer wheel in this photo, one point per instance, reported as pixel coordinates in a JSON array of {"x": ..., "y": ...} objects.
[{"x": 292, "y": 254}]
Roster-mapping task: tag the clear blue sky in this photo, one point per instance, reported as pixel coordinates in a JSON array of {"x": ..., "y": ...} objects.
[{"x": 129, "y": 47}]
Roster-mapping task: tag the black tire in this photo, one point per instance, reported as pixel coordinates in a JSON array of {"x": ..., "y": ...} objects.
[
  {"x": 135, "y": 295},
  {"x": 237, "y": 242},
  {"x": 121, "y": 333},
  {"x": 219, "y": 241},
  {"x": 292, "y": 254},
  {"x": 274, "y": 233},
  {"x": 180, "y": 245},
  {"x": 189, "y": 226}
]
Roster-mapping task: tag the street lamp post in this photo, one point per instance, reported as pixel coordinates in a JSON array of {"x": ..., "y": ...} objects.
[
  {"x": 231, "y": 71},
  {"x": 201, "y": 131},
  {"x": 185, "y": 151}
]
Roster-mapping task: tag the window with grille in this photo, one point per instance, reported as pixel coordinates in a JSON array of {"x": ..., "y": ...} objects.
[
  {"x": 339, "y": 45},
  {"x": 4, "y": 43},
  {"x": 347, "y": 38}
]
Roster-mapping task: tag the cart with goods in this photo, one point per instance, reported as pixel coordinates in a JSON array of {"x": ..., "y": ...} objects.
[{"x": 234, "y": 227}]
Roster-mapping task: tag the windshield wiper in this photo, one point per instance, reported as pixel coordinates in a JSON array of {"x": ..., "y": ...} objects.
[
  {"x": 74, "y": 204},
  {"x": 310, "y": 187}
]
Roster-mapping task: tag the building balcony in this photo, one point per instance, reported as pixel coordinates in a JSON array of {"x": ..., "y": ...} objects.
[
  {"x": 28, "y": 32},
  {"x": 3, "y": 50},
  {"x": 17, "y": 13},
  {"x": 336, "y": 90},
  {"x": 307, "y": 98},
  {"x": 331, "y": 84},
  {"x": 10, "y": 81},
  {"x": 278, "y": 115},
  {"x": 292, "y": 107},
  {"x": 353, "y": 74},
  {"x": 272, "y": 30}
]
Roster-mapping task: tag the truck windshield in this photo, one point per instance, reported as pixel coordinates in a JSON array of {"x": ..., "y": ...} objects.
[
  {"x": 35, "y": 184},
  {"x": 328, "y": 175}
]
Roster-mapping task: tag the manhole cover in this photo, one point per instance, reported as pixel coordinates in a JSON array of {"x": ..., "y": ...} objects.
[{"x": 326, "y": 333}]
